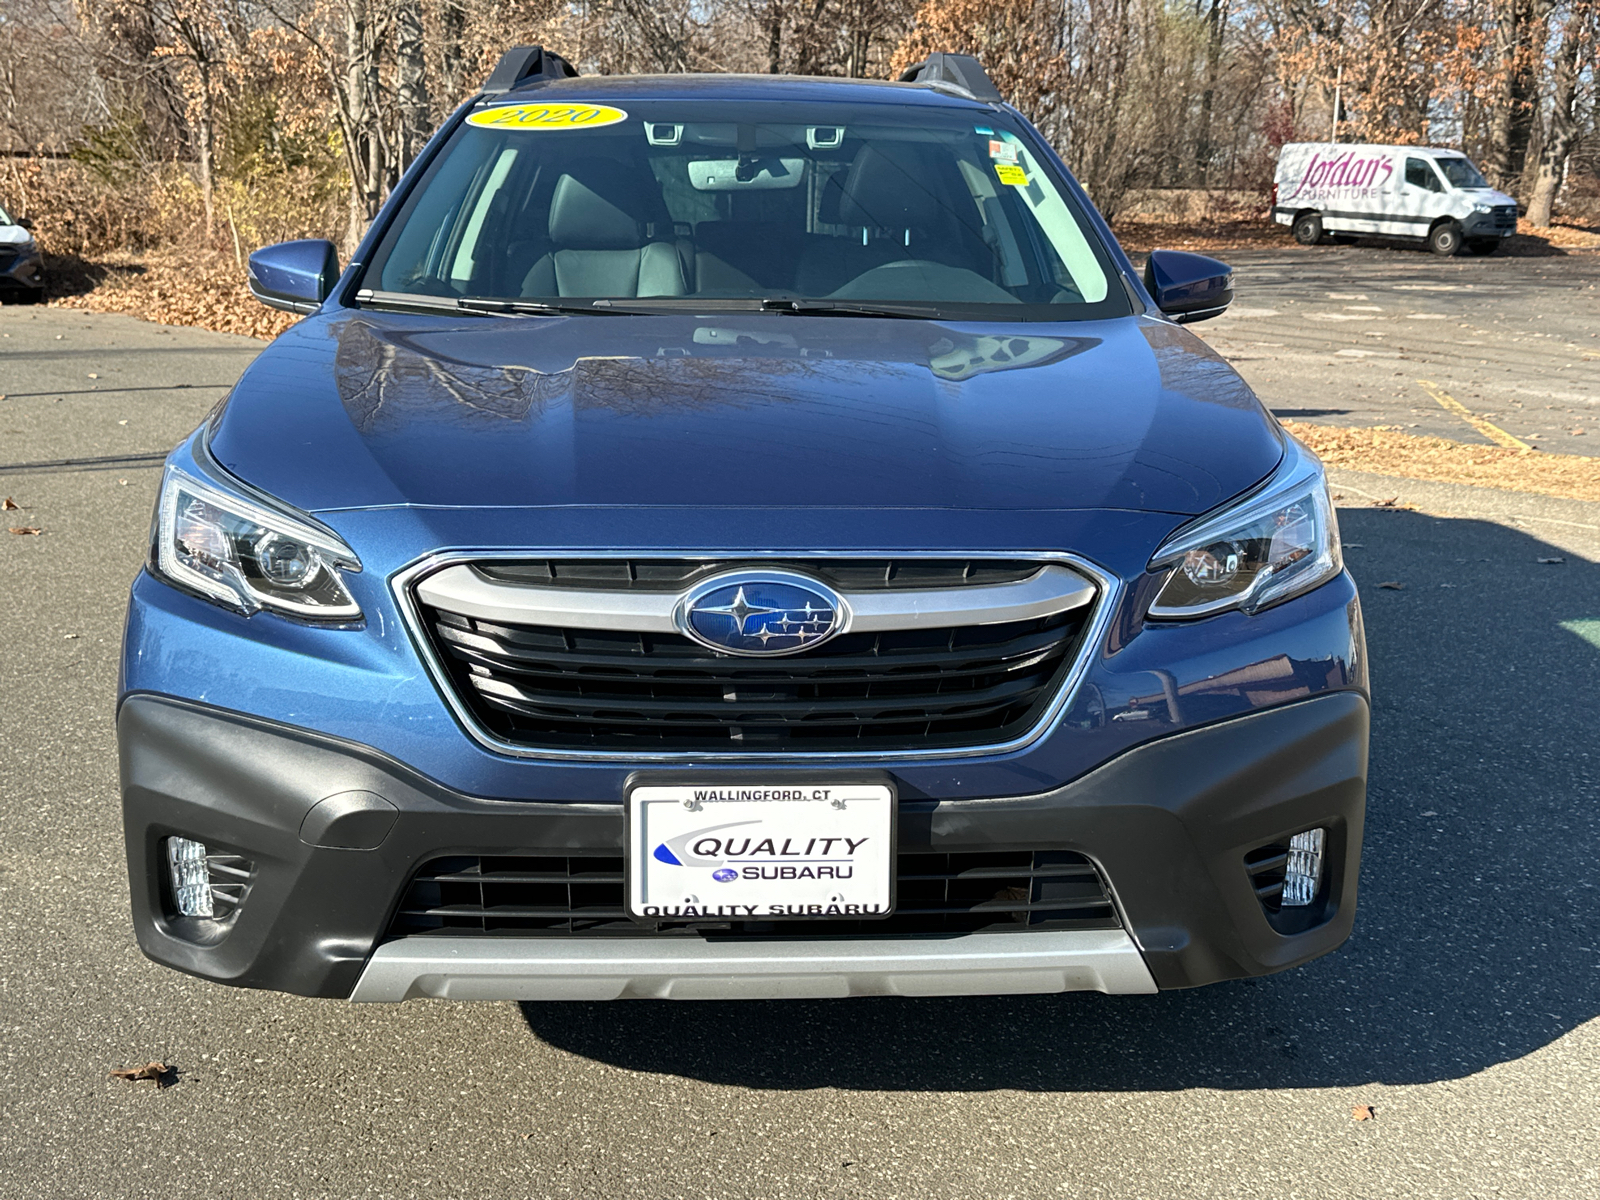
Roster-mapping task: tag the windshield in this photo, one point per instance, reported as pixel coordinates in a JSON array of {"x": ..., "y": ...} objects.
[
  {"x": 732, "y": 205},
  {"x": 1461, "y": 173},
  {"x": 5, "y": 218}
]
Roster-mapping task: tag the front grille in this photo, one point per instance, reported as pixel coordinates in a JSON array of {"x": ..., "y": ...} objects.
[
  {"x": 582, "y": 895},
  {"x": 550, "y": 687}
]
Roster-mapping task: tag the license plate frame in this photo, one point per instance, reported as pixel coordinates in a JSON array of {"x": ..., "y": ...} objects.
[{"x": 872, "y": 796}]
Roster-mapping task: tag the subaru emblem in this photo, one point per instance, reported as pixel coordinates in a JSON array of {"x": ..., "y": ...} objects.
[{"x": 761, "y": 613}]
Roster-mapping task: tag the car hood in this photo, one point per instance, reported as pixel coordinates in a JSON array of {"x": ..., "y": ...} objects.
[
  {"x": 1487, "y": 195},
  {"x": 354, "y": 409}
]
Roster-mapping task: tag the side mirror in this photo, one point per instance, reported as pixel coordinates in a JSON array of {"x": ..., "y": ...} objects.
[
  {"x": 25, "y": 223},
  {"x": 294, "y": 276},
  {"x": 1188, "y": 287}
]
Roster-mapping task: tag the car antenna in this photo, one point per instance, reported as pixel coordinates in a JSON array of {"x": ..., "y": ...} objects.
[
  {"x": 954, "y": 72},
  {"x": 523, "y": 65}
]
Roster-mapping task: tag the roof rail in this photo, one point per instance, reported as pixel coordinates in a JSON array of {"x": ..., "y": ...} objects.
[
  {"x": 526, "y": 64},
  {"x": 960, "y": 72}
]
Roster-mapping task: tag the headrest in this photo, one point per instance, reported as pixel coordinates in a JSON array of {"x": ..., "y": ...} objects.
[
  {"x": 900, "y": 185},
  {"x": 600, "y": 204}
]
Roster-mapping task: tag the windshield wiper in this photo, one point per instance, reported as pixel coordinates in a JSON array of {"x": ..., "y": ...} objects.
[
  {"x": 409, "y": 302},
  {"x": 846, "y": 308},
  {"x": 479, "y": 306},
  {"x": 601, "y": 308}
]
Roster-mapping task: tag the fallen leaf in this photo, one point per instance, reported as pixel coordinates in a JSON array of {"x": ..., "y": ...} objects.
[
  {"x": 1389, "y": 503},
  {"x": 1362, "y": 1112},
  {"x": 27, "y": 530},
  {"x": 1552, "y": 561},
  {"x": 156, "y": 1072},
  {"x": 92, "y": 375},
  {"x": 1393, "y": 586},
  {"x": 9, "y": 505},
  {"x": 1355, "y": 545}
]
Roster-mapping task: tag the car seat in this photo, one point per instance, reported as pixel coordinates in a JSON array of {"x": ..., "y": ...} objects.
[{"x": 610, "y": 236}]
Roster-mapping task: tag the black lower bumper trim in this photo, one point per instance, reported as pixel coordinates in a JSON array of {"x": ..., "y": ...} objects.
[{"x": 1169, "y": 823}]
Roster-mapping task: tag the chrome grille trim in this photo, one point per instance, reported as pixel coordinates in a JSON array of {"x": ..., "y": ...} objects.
[
  {"x": 1051, "y": 589},
  {"x": 1106, "y": 586}
]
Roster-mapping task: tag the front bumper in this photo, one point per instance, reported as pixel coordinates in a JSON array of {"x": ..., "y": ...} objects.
[
  {"x": 1489, "y": 225},
  {"x": 21, "y": 273},
  {"x": 335, "y": 831}
]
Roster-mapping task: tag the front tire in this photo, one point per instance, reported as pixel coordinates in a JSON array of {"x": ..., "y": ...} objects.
[
  {"x": 1308, "y": 228},
  {"x": 1444, "y": 239},
  {"x": 1482, "y": 245}
]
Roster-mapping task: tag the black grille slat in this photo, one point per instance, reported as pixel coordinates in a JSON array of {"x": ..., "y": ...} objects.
[
  {"x": 914, "y": 689},
  {"x": 961, "y": 892},
  {"x": 1267, "y": 868},
  {"x": 478, "y": 647},
  {"x": 658, "y": 575},
  {"x": 780, "y": 708}
]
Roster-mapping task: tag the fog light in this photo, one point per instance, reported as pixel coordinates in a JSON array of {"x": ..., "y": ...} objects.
[
  {"x": 1304, "y": 877},
  {"x": 191, "y": 881}
]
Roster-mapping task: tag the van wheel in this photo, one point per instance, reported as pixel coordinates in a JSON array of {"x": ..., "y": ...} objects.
[
  {"x": 1483, "y": 245},
  {"x": 1445, "y": 238},
  {"x": 1308, "y": 229}
]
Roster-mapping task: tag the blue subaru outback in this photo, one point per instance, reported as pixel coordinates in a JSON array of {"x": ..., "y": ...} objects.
[{"x": 740, "y": 537}]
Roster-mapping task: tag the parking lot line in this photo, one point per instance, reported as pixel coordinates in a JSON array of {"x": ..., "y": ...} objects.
[{"x": 1489, "y": 430}]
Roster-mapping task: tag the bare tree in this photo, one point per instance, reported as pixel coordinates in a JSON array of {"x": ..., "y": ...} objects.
[{"x": 1577, "y": 44}]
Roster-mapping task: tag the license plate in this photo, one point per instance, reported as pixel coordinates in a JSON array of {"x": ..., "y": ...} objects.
[{"x": 760, "y": 853}]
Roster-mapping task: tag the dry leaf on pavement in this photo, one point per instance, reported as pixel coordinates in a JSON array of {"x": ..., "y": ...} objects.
[
  {"x": 1552, "y": 560},
  {"x": 27, "y": 530},
  {"x": 156, "y": 1072},
  {"x": 1362, "y": 1112},
  {"x": 1393, "y": 586},
  {"x": 9, "y": 505}
]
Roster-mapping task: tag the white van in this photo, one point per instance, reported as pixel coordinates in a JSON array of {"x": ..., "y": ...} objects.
[{"x": 1425, "y": 193}]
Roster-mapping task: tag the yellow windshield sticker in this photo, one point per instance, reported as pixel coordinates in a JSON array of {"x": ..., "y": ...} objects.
[
  {"x": 1012, "y": 174},
  {"x": 547, "y": 116}
]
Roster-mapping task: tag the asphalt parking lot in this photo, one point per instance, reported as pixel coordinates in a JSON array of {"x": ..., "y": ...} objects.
[
  {"x": 1355, "y": 336},
  {"x": 1465, "y": 1009}
]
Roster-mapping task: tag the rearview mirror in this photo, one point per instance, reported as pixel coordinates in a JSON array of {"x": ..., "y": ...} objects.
[
  {"x": 1188, "y": 287},
  {"x": 294, "y": 276}
]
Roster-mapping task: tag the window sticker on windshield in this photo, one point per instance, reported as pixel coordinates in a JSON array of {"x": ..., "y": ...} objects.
[
  {"x": 983, "y": 129},
  {"x": 1012, "y": 174},
  {"x": 1005, "y": 152},
  {"x": 547, "y": 116}
]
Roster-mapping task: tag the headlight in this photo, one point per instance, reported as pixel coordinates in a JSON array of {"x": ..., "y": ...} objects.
[
  {"x": 1277, "y": 543},
  {"x": 247, "y": 556},
  {"x": 1483, "y": 208}
]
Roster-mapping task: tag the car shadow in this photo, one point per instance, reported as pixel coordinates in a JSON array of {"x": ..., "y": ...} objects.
[{"x": 1478, "y": 936}]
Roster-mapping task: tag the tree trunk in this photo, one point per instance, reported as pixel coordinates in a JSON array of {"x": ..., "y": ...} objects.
[
  {"x": 452, "y": 67},
  {"x": 774, "y": 20},
  {"x": 1563, "y": 127},
  {"x": 359, "y": 107},
  {"x": 203, "y": 149},
  {"x": 415, "y": 120},
  {"x": 1216, "y": 24},
  {"x": 1519, "y": 51}
]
